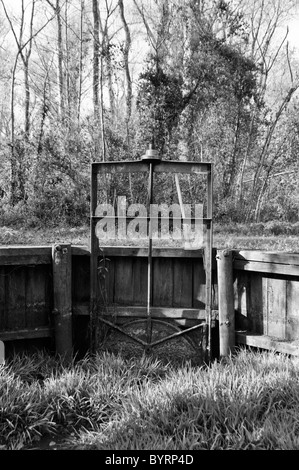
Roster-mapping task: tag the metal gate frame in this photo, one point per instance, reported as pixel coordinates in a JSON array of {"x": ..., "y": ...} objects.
[{"x": 150, "y": 164}]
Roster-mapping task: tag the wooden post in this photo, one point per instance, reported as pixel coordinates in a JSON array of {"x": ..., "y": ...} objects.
[
  {"x": 226, "y": 302},
  {"x": 62, "y": 285}
]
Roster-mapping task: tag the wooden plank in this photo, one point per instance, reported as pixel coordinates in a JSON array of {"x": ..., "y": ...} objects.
[
  {"x": 226, "y": 303},
  {"x": 37, "y": 311},
  {"x": 3, "y": 302},
  {"x": 25, "y": 255},
  {"x": 42, "y": 332},
  {"x": 255, "y": 301},
  {"x": 241, "y": 301},
  {"x": 80, "y": 278},
  {"x": 272, "y": 268},
  {"x": 163, "y": 282},
  {"x": 292, "y": 307},
  {"x": 107, "y": 280},
  {"x": 82, "y": 308},
  {"x": 182, "y": 283},
  {"x": 266, "y": 342},
  {"x": 16, "y": 298},
  {"x": 199, "y": 285},
  {"x": 276, "y": 308},
  {"x": 139, "y": 281},
  {"x": 156, "y": 253},
  {"x": 267, "y": 257},
  {"x": 80, "y": 250},
  {"x": 123, "y": 275},
  {"x": 158, "y": 312},
  {"x": 62, "y": 293}
]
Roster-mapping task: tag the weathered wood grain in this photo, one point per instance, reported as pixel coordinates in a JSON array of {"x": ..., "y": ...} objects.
[
  {"x": 3, "y": 301},
  {"x": 182, "y": 283},
  {"x": 62, "y": 295},
  {"x": 226, "y": 303},
  {"x": 25, "y": 255},
  {"x": 16, "y": 298},
  {"x": 139, "y": 281},
  {"x": 241, "y": 298},
  {"x": 263, "y": 267},
  {"x": 199, "y": 285},
  {"x": 255, "y": 303},
  {"x": 275, "y": 307},
  {"x": 37, "y": 305},
  {"x": 123, "y": 275},
  {"x": 292, "y": 307},
  {"x": 266, "y": 342},
  {"x": 267, "y": 257},
  {"x": 41, "y": 332},
  {"x": 163, "y": 282}
]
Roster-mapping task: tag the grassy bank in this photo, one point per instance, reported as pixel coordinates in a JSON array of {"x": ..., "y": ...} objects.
[
  {"x": 270, "y": 236},
  {"x": 250, "y": 401}
]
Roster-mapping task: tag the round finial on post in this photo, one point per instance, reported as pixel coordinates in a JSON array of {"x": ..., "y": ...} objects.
[{"x": 151, "y": 154}]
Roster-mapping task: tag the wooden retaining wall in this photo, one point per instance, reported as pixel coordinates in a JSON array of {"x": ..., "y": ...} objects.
[
  {"x": 32, "y": 285},
  {"x": 266, "y": 287}
]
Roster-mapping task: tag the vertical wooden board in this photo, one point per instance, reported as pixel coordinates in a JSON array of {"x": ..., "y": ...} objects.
[
  {"x": 292, "y": 305},
  {"x": 3, "y": 319},
  {"x": 215, "y": 302},
  {"x": 162, "y": 282},
  {"x": 110, "y": 280},
  {"x": 105, "y": 281},
  {"x": 49, "y": 290},
  {"x": 140, "y": 281},
  {"x": 199, "y": 284},
  {"x": 241, "y": 293},
  {"x": 123, "y": 275},
  {"x": 80, "y": 278},
  {"x": 255, "y": 303},
  {"x": 37, "y": 313},
  {"x": 16, "y": 299},
  {"x": 182, "y": 283},
  {"x": 276, "y": 308},
  {"x": 62, "y": 294}
]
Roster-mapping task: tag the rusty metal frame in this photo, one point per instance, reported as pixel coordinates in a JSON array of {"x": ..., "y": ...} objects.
[{"x": 150, "y": 167}]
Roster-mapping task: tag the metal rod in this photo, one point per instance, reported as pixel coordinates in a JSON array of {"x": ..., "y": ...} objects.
[
  {"x": 154, "y": 343},
  {"x": 209, "y": 251},
  {"x": 149, "y": 259},
  {"x": 93, "y": 258}
]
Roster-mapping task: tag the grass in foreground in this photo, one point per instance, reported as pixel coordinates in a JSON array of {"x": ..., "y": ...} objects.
[{"x": 249, "y": 401}]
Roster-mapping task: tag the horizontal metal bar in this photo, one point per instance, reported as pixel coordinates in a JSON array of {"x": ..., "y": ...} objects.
[
  {"x": 173, "y": 166},
  {"x": 138, "y": 340},
  {"x": 175, "y": 335},
  {"x": 159, "y": 166},
  {"x": 120, "y": 167},
  {"x": 153, "y": 343}
]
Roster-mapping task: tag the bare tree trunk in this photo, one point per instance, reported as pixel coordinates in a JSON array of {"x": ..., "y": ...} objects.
[
  {"x": 126, "y": 51},
  {"x": 60, "y": 60},
  {"x": 67, "y": 65},
  {"x": 13, "y": 160},
  {"x": 265, "y": 148},
  {"x": 96, "y": 75},
  {"x": 228, "y": 186},
  {"x": 80, "y": 62}
]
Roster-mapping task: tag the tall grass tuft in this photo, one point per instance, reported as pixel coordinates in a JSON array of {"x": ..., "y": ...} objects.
[{"x": 248, "y": 401}]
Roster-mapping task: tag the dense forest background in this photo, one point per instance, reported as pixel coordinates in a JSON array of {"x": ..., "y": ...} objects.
[{"x": 99, "y": 80}]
